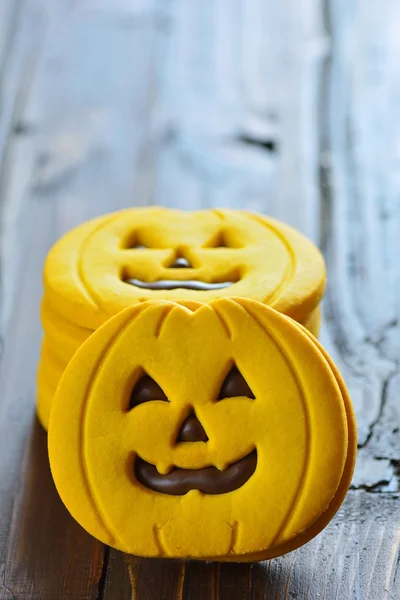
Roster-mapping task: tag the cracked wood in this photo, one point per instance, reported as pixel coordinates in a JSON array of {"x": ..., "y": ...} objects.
[{"x": 107, "y": 105}]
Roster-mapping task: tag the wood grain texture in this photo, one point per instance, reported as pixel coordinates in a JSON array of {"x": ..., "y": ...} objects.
[
  {"x": 46, "y": 545},
  {"x": 361, "y": 215},
  {"x": 287, "y": 108}
]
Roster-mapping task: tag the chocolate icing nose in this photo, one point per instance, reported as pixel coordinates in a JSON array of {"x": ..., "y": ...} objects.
[
  {"x": 192, "y": 430},
  {"x": 181, "y": 263}
]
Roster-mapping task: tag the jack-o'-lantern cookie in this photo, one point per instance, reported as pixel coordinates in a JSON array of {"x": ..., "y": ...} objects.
[
  {"x": 218, "y": 430},
  {"x": 117, "y": 260}
]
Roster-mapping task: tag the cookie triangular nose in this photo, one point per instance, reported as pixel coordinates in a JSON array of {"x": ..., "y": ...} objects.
[
  {"x": 192, "y": 430},
  {"x": 181, "y": 263}
]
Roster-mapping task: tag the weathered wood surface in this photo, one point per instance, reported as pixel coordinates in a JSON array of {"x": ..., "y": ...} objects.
[{"x": 289, "y": 108}]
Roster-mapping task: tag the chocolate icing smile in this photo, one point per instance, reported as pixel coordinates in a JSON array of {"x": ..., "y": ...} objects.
[
  {"x": 173, "y": 284},
  {"x": 208, "y": 480}
]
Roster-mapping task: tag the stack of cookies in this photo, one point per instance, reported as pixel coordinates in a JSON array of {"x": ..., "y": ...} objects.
[
  {"x": 191, "y": 412},
  {"x": 121, "y": 259}
]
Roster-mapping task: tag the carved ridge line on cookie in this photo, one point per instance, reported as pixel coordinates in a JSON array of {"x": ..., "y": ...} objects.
[
  {"x": 218, "y": 213},
  {"x": 235, "y": 533},
  {"x": 82, "y": 428},
  {"x": 223, "y": 322},
  {"x": 79, "y": 267},
  {"x": 348, "y": 408},
  {"x": 157, "y": 538},
  {"x": 303, "y": 477},
  {"x": 290, "y": 271},
  {"x": 164, "y": 316}
]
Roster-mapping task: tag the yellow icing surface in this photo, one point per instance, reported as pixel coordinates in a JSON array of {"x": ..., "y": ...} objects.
[{"x": 300, "y": 424}]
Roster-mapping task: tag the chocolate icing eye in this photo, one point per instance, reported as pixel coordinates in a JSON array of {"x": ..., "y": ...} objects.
[
  {"x": 146, "y": 389},
  {"x": 235, "y": 385},
  {"x": 223, "y": 239},
  {"x": 221, "y": 242}
]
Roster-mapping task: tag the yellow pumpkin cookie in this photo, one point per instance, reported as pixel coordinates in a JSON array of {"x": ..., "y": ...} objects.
[
  {"x": 139, "y": 254},
  {"x": 218, "y": 430}
]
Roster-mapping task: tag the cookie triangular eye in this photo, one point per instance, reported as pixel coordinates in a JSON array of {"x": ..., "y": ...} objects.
[
  {"x": 146, "y": 389},
  {"x": 235, "y": 385}
]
